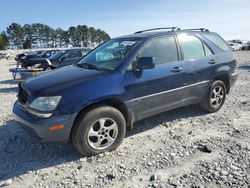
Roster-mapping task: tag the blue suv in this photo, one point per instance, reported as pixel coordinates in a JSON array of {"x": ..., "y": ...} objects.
[{"x": 124, "y": 80}]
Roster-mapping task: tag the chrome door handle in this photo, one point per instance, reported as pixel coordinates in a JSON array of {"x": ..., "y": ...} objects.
[
  {"x": 211, "y": 62},
  {"x": 176, "y": 69}
]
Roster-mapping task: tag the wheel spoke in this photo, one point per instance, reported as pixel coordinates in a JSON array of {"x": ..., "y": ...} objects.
[
  {"x": 110, "y": 139},
  {"x": 212, "y": 100},
  {"x": 219, "y": 90},
  {"x": 98, "y": 143},
  {"x": 92, "y": 132},
  {"x": 214, "y": 92},
  {"x": 217, "y": 102},
  {"x": 113, "y": 126},
  {"x": 102, "y": 122}
]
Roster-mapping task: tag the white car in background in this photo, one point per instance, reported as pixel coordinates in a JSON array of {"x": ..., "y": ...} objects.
[{"x": 235, "y": 46}]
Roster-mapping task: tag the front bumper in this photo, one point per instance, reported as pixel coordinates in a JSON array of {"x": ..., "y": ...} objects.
[
  {"x": 233, "y": 79},
  {"x": 39, "y": 127}
]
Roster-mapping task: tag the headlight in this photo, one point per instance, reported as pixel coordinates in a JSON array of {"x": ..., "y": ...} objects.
[{"x": 45, "y": 104}]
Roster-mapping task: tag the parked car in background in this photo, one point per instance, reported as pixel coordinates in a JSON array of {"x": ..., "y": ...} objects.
[
  {"x": 2, "y": 55},
  {"x": 124, "y": 80},
  {"x": 22, "y": 55},
  {"x": 236, "y": 41},
  {"x": 5, "y": 55},
  {"x": 235, "y": 46},
  {"x": 36, "y": 54},
  {"x": 59, "y": 59},
  {"x": 35, "y": 66},
  {"x": 246, "y": 46},
  {"x": 28, "y": 55}
]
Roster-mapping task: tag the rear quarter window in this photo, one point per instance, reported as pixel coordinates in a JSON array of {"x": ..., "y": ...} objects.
[
  {"x": 191, "y": 46},
  {"x": 218, "y": 41}
]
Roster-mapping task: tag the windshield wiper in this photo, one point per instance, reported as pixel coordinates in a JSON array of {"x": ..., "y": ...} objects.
[
  {"x": 89, "y": 66},
  {"x": 92, "y": 66}
]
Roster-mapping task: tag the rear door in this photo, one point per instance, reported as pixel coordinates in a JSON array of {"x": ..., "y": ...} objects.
[
  {"x": 163, "y": 87},
  {"x": 196, "y": 53}
]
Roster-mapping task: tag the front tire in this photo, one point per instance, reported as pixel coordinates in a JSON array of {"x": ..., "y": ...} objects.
[
  {"x": 99, "y": 130},
  {"x": 215, "y": 97}
]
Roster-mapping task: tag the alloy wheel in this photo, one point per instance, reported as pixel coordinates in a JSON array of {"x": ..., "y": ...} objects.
[
  {"x": 102, "y": 133},
  {"x": 217, "y": 96}
]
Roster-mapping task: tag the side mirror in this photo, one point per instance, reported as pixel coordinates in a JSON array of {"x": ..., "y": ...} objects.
[{"x": 145, "y": 63}]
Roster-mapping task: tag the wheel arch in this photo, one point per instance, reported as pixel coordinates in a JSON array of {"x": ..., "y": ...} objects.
[
  {"x": 114, "y": 102},
  {"x": 224, "y": 77}
]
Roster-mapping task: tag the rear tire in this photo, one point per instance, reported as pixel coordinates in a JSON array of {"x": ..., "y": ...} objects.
[
  {"x": 215, "y": 97},
  {"x": 99, "y": 130}
]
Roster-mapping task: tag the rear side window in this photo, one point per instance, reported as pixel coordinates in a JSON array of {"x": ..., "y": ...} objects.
[
  {"x": 207, "y": 50},
  {"x": 163, "y": 49},
  {"x": 218, "y": 41},
  {"x": 192, "y": 47}
]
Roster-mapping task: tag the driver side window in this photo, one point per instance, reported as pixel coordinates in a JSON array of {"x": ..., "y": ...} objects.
[{"x": 163, "y": 50}]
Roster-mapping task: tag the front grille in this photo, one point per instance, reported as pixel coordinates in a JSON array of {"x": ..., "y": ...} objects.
[{"x": 22, "y": 95}]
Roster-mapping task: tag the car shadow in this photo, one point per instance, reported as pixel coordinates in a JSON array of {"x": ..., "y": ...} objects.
[
  {"x": 245, "y": 67},
  {"x": 21, "y": 153},
  {"x": 9, "y": 82},
  {"x": 9, "y": 89},
  {"x": 165, "y": 118}
]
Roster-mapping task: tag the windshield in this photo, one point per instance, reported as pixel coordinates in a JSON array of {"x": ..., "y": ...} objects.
[
  {"x": 57, "y": 55},
  {"x": 111, "y": 54},
  {"x": 41, "y": 54}
]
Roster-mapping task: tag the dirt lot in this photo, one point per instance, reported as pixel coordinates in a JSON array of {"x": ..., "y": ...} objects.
[{"x": 181, "y": 148}]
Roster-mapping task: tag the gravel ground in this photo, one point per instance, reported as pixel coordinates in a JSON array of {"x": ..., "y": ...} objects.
[{"x": 181, "y": 148}]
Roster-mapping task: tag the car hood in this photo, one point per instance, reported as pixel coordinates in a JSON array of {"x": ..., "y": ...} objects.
[
  {"x": 36, "y": 60},
  {"x": 30, "y": 56},
  {"x": 50, "y": 83}
]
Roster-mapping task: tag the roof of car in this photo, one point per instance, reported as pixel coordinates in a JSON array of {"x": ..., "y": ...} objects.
[
  {"x": 156, "y": 32},
  {"x": 74, "y": 48}
]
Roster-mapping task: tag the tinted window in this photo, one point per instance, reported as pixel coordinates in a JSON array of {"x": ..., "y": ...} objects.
[
  {"x": 162, "y": 49},
  {"x": 218, "y": 41},
  {"x": 57, "y": 55},
  {"x": 192, "y": 47},
  {"x": 73, "y": 54}
]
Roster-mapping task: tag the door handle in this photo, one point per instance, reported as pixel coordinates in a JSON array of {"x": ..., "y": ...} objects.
[
  {"x": 176, "y": 69},
  {"x": 211, "y": 62}
]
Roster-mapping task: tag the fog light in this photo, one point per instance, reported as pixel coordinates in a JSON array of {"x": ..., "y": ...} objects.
[{"x": 56, "y": 127}]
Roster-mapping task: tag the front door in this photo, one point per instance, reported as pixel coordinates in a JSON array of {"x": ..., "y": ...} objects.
[{"x": 163, "y": 87}]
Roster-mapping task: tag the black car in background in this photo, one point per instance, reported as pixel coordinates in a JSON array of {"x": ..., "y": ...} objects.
[
  {"x": 23, "y": 55},
  {"x": 59, "y": 59},
  {"x": 37, "y": 54}
]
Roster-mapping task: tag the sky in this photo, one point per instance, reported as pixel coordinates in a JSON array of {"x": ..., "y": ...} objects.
[{"x": 229, "y": 18}]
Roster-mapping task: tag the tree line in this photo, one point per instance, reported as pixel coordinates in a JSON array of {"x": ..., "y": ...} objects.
[{"x": 39, "y": 35}]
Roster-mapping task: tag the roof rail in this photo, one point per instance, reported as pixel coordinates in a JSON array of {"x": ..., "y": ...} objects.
[
  {"x": 160, "y": 28},
  {"x": 197, "y": 29}
]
